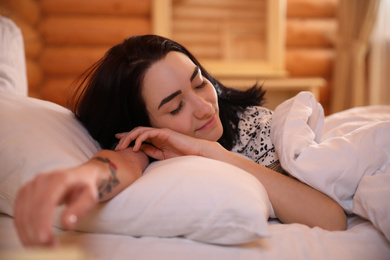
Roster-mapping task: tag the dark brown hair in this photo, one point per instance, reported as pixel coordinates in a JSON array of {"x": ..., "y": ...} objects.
[{"x": 109, "y": 98}]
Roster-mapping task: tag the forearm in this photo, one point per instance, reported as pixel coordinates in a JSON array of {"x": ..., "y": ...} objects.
[
  {"x": 293, "y": 201},
  {"x": 116, "y": 170}
]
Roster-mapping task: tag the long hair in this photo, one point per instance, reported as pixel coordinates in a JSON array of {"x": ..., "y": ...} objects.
[{"x": 109, "y": 98}]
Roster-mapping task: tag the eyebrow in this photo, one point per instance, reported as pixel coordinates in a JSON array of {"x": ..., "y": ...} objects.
[
  {"x": 169, "y": 98},
  {"x": 172, "y": 96},
  {"x": 196, "y": 71}
]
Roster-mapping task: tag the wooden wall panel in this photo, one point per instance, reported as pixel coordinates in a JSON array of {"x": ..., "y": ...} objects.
[
  {"x": 78, "y": 33},
  {"x": 312, "y": 8},
  {"x": 27, "y": 10},
  {"x": 310, "y": 36},
  {"x": 34, "y": 76},
  {"x": 319, "y": 32},
  {"x": 57, "y": 89},
  {"x": 314, "y": 62},
  {"x": 221, "y": 29},
  {"x": 60, "y": 61},
  {"x": 91, "y": 30},
  {"x": 32, "y": 40},
  {"x": 99, "y": 7}
]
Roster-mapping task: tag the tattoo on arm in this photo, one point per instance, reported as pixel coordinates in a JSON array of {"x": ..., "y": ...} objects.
[{"x": 107, "y": 184}]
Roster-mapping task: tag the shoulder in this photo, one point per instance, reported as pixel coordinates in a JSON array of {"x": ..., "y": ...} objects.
[
  {"x": 254, "y": 117},
  {"x": 255, "y": 111},
  {"x": 254, "y": 130}
]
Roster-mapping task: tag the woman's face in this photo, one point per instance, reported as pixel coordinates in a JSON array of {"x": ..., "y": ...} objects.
[{"x": 178, "y": 97}]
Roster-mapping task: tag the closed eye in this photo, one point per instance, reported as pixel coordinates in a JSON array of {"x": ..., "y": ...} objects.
[
  {"x": 177, "y": 110},
  {"x": 204, "y": 83}
]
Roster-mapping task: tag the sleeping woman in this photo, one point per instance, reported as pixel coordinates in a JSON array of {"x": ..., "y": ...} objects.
[{"x": 149, "y": 99}]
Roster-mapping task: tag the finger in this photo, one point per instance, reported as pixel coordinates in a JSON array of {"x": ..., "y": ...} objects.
[
  {"x": 121, "y": 145},
  {"x": 126, "y": 140},
  {"x": 120, "y": 135},
  {"x": 34, "y": 226},
  {"x": 78, "y": 207},
  {"x": 20, "y": 217},
  {"x": 152, "y": 151},
  {"x": 151, "y": 136},
  {"x": 138, "y": 143}
]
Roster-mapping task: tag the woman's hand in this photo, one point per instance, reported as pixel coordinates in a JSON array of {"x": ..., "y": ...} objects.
[
  {"x": 161, "y": 143},
  {"x": 37, "y": 200},
  {"x": 79, "y": 189}
]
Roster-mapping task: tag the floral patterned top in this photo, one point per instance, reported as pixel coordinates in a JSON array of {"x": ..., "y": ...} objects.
[{"x": 254, "y": 139}]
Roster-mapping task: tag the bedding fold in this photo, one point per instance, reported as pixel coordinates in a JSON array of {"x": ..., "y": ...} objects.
[{"x": 332, "y": 154}]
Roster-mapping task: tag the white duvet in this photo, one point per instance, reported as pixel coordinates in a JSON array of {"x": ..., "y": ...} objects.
[{"x": 345, "y": 155}]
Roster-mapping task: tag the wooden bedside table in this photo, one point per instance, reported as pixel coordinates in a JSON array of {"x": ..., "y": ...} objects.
[{"x": 280, "y": 89}]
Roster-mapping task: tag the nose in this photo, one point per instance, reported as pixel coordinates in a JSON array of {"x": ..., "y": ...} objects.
[{"x": 202, "y": 108}]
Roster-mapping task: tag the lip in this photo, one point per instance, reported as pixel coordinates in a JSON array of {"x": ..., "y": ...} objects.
[{"x": 208, "y": 124}]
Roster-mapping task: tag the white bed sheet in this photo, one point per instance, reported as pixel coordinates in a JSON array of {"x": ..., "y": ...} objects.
[
  {"x": 345, "y": 155},
  {"x": 294, "y": 241},
  {"x": 332, "y": 154}
]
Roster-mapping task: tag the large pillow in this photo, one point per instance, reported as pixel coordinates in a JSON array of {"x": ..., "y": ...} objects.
[
  {"x": 12, "y": 59},
  {"x": 36, "y": 136},
  {"x": 193, "y": 197}
]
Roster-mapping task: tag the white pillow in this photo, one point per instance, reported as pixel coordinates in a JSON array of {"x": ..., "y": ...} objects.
[
  {"x": 193, "y": 197},
  {"x": 36, "y": 136},
  {"x": 13, "y": 76}
]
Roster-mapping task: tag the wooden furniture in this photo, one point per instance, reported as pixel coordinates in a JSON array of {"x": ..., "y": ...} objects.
[
  {"x": 281, "y": 89},
  {"x": 239, "y": 42},
  {"x": 231, "y": 38}
]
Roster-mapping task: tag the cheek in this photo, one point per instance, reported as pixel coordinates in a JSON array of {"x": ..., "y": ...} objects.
[
  {"x": 180, "y": 123},
  {"x": 212, "y": 94},
  {"x": 153, "y": 121}
]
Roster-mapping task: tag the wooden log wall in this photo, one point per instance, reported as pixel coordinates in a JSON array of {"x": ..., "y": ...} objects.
[
  {"x": 310, "y": 34},
  {"x": 221, "y": 30},
  {"x": 64, "y": 37},
  {"x": 77, "y": 33}
]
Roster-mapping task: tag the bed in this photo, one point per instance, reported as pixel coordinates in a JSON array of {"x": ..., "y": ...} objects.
[{"x": 197, "y": 208}]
